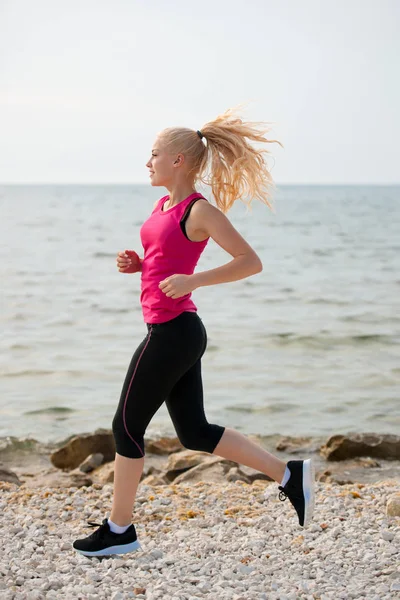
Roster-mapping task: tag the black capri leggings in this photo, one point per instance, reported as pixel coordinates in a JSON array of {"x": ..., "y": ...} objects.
[{"x": 166, "y": 366}]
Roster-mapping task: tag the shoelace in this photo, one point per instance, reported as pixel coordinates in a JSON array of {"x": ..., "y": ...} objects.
[
  {"x": 282, "y": 494},
  {"x": 100, "y": 532},
  {"x": 292, "y": 497},
  {"x": 93, "y": 524}
]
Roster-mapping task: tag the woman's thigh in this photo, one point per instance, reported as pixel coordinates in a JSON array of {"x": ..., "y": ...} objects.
[
  {"x": 185, "y": 405},
  {"x": 168, "y": 351},
  {"x": 185, "y": 402}
]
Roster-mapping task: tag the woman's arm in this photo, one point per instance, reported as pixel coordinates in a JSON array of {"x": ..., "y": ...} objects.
[{"x": 212, "y": 222}]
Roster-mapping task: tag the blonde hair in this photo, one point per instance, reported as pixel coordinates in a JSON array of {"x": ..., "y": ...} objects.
[{"x": 236, "y": 168}]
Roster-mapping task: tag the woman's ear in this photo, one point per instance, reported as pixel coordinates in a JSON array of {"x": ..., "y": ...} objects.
[{"x": 179, "y": 159}]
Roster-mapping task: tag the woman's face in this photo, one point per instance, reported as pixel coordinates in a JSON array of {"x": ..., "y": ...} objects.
[{"x": 160, "y": 165}]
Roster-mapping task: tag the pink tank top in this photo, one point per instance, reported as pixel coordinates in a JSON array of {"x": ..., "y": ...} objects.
[{"x": 166, "y": 252}]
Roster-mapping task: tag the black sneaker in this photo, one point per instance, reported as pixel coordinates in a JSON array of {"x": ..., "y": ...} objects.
[
  {"x": 300, "y": 489},
  {"x": 103, "y": 541}
]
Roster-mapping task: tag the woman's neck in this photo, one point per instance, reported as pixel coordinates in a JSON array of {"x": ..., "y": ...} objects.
[{"x": 177, "y": 195}]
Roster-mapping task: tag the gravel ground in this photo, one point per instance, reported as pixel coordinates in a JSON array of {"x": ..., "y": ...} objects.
[{"x": 225, "y": 542}]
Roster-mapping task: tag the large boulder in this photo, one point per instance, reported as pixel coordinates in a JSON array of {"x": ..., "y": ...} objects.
[
  {"x": 342, "y": 447},
  {"x": 76, "y": 450}
]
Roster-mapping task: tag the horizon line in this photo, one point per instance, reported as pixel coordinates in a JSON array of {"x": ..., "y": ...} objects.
[{"x": 144, "y": 183}]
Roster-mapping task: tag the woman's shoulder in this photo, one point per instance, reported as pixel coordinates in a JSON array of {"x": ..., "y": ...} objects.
[
  {"x": 203, "y": 213},
  {"x": 203, "y": 206}
]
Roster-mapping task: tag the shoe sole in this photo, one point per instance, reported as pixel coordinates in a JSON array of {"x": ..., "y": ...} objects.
[
  {"x": 308, "y": 490},
  {"x": 121, "y": 549}
]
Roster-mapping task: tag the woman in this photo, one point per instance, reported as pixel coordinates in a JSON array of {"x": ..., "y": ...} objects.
[{"x": 167, "y": 364}]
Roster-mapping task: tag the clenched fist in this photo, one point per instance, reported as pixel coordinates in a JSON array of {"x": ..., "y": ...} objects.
[
  {"x": 177, "y": 286},
  {"x": 129, "y": 262}
]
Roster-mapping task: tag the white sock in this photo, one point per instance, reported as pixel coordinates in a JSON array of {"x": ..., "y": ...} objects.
[
  {"x": 117, "y": 528},
  {"x": 286, "y": 477}
]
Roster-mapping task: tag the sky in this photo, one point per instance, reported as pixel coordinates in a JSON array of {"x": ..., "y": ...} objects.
[{"x": 86, "y": 85}]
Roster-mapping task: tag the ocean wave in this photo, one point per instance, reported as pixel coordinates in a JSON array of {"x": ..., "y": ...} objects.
[
  {"x": 268, "y": 409},
  {"x": 12, "y": 445},
  {"x": 105, "y": 255},
  {"x": 334, "y": 301},
  {"x": 28, "y": 373},
  {"x": 289, "y": 338},
  {"x": 42, "y": 372},
  {"x": 50, "y": 410},
  {"x": 19, "y": 347},
  {"x": 112, "y": 310}
]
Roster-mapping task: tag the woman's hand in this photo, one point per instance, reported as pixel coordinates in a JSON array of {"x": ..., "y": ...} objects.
[
  {"x": 128, "y": 262},
  {"x": 177, "y": 286}
]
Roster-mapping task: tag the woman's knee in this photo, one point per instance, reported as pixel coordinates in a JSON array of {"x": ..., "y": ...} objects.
[
  {"x": 204, "y": 439},
  {"x": 127, "y": 443}
]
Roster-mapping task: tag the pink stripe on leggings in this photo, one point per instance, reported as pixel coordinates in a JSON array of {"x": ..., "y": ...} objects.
[{"x": 127, "y": 393}]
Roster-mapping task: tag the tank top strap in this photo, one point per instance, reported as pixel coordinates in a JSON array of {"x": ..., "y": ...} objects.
[
  {"x": 181, "y": 208},
  {"x": 159, "y": 204}
]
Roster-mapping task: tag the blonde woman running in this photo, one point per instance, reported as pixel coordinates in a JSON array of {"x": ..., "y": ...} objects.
[{"x": 166, "y": 367}]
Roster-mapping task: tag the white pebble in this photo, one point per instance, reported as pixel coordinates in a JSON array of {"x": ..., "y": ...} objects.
[{"x": 388, "y": 536}]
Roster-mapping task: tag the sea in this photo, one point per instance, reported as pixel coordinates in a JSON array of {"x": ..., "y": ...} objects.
[{"x": 308, "y": 347}]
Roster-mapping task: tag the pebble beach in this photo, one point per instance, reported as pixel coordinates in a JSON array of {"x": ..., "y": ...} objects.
[{"x": 230, "y": 541}]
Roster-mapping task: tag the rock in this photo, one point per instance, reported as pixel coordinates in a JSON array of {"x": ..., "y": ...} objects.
[
  {"x": 53, "y": 478},
  {"x": 7, "y": 475},
  {"x": 154, "y": 465},
  {"x": 393, "y": 506},
  {"x": 163, "y": 445},
  {"x": 253, "y": 474},
  {"x": 154, "y": 480},
  {"x": 293, "y": 444},
  {"x": 72, "y": 454},
  {"x": 236, "y": 474},
  {"x": 368, "y": 463},
  {"x": 149, "y": 470},
  {"x": 91, "y": 462},
  {"x": 341, "y": 447},
  {"x": 340, "y": 480},
  {"x": 76, "y": 478},
  {"x": 104, "y": 474},
  {"x": 325, "y": 476},
  {"x": 181, "y": 461},
  {"x": 214, "y": 469}
]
